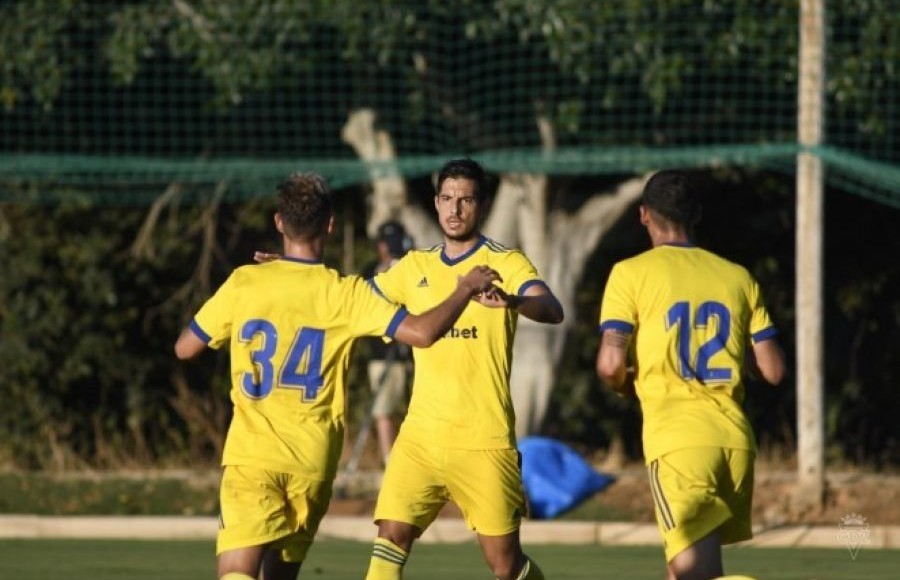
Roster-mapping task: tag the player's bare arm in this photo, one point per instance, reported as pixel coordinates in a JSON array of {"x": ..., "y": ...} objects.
[
  {"x": 611, "y": 360},
  {"x": 538, "y": 303},
  {"x": 425, "y": 329},
  {"x": 188, "y": 345},
  {"x": 768, "y": 359}
]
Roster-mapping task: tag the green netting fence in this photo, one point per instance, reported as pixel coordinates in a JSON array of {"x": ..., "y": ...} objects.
[{"x": 116, "y": 101}]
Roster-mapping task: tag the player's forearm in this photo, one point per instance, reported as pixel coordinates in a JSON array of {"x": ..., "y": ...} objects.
[
  {"x": 425, "y": 329},
  {"x": 613, "y": 378},
  {"x": 542, "y": 308},
  {"x": 768, "y": 359},
  {"x": 611, "y": 360}
]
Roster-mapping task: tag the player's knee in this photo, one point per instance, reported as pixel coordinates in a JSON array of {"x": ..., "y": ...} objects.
[
  {"x": 700, "y": 561},
  {"x": 686, "y": 566},
  {"x": 513, "y": 567},
  {"x": 401, "y": 534},
  {"x": 504, "y": 569},
  {"x": 692, "y": 568}
]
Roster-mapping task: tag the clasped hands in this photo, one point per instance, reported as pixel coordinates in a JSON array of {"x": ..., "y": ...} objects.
[{"x": 480, "y": 279}]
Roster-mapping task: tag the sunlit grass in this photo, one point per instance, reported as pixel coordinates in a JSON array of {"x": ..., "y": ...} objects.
[{"x": 344, "y": 560}]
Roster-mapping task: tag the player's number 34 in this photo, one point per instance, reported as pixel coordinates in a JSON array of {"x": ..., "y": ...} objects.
[{"x": 307, "y": 347}]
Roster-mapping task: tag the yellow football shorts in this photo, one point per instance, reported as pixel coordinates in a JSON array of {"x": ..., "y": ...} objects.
[
  {"x": 260, "y": 507},
  {"x": 699, "y": 490},
  {"x": 486, "y": 485}
]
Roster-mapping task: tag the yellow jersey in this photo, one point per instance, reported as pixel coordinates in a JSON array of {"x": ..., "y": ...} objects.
[
  {"x": 460, "y": 394},
  {"x": 290, "y": 325},
  {"x": 693, "y": 314}
]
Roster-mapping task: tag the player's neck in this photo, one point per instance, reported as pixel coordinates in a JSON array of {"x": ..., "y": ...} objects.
[
  {"x": 308, "y": 251},
  {"x": 455, "y": 248},
  {"x": 674, "y": 236}
]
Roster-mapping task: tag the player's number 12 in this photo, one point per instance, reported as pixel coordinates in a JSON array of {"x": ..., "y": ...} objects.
[{"x": 679, "y": 316}]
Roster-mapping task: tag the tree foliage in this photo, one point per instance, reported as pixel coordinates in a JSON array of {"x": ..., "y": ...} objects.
[
  {"x": 92, "y": 296},
  {"x": 90, "y": 312}
]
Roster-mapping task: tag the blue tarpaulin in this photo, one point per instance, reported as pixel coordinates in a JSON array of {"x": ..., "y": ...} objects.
[{"x": 555, "y": 477}]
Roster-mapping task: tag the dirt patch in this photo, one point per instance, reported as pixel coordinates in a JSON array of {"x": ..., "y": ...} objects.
[{"x": 875, "y": 497}]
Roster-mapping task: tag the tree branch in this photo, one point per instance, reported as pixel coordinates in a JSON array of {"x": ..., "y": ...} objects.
[
  {"x": 389, "y": 194},
  {"x": 196, "y": 19},
  {"x": 142, "y": 248}
]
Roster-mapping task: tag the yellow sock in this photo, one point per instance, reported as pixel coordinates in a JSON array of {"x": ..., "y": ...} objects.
[
  {"x": 387, "y": 561},
  {"x": 530, "y": 571},
  {"x": 236, "y": 576}
]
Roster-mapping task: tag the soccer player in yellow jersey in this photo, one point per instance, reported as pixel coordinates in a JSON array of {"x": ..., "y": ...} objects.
[
  {"x": 457, "y": 442},
  {"x": 289, "y": 325},
  {"x": 692, "y": 317}
]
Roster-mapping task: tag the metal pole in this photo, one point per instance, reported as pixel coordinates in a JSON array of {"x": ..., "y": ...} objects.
[{"x": 810, "y": 202}]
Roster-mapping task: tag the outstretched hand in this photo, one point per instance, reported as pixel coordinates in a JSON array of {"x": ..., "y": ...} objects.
[
  {"x": 263, "y": 257},
  {"x": 479, "y": 280}
]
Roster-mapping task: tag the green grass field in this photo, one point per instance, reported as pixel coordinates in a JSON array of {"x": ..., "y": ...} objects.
[{"x": 343, "y": 560}]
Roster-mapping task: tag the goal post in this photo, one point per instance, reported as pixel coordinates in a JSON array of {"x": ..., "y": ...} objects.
[{"x": 809, "y": 275}]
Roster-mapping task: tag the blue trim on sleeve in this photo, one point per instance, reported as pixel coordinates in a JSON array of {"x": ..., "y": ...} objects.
[
  {"x": 529, "y": 284},
  {"x": 402, "y": 313},
  {"x": 617, "y": 325},
  {"x": 765, "y": 334},
  {"x": 201, "y": 334}
]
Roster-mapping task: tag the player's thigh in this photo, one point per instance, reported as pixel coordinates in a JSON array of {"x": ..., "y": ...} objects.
[
  {"x": 307, "y": 502},
  {"x": 240, "y": 561},
  {"x": 413, "y": 489},
  {"x": 737, "y": 492},
  {"x": 251, "y": 508},
  {"x": 486, "y": 484},
  {"x": 263, "y": 507},
  {"x": 685, "y": 486}
]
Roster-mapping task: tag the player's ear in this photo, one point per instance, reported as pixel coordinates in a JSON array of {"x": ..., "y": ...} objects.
[
  {"x": 645, "y": 215},
  {"x": 279, "y": 224},
  {"x": 330, "y": 228}
]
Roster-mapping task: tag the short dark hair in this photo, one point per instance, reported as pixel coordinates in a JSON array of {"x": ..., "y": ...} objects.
[
  {"x": 464, "y": 169},
  {"x": 672, "y": 194},
  {"x": 304, "y": 202}
]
